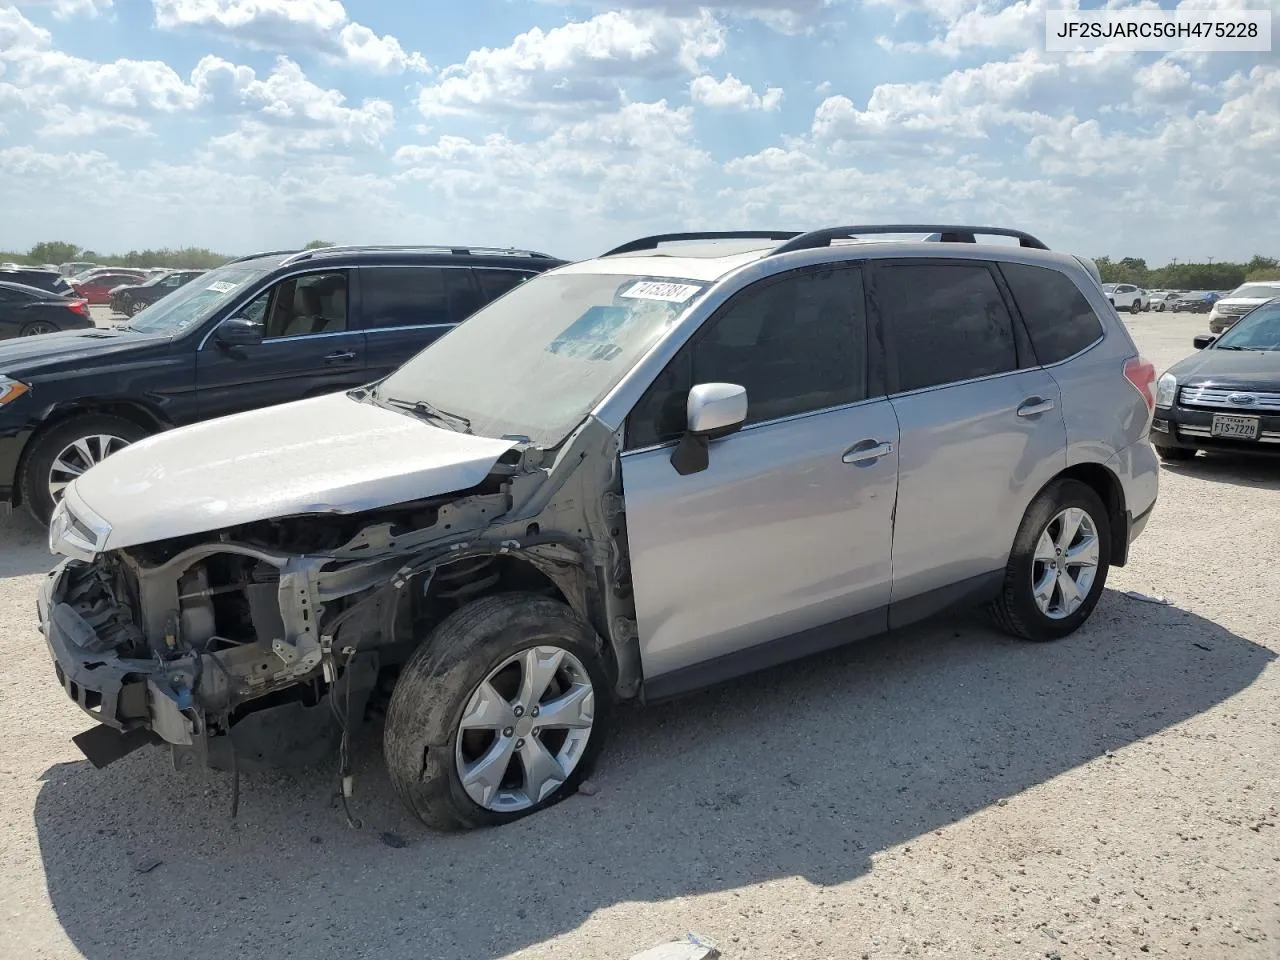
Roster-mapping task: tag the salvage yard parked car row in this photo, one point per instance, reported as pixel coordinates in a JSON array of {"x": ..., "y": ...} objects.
[{"x": 684, "y": 460}]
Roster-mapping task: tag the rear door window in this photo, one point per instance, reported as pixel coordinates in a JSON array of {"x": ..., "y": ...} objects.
[
  {"x": 947, "y": 323},
  {"x": 494, "y": 283},
  {"x": 1057, "y": 316},
  {"x": 416, "y": 296}
]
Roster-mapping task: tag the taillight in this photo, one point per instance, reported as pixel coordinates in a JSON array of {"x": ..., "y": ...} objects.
[
  {"x": 1142, "y": 374},
  {"x": 78, "y": 306}
]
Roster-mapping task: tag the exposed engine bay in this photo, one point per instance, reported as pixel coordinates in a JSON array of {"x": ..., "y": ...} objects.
[{"x": 266, "y": 642}]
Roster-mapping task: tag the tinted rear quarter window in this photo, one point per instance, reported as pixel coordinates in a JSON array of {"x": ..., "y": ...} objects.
[
  {"x": 948, "y": 323},
  {"x": 1057, "y": 315},
  {"x": 416, "y": 296}
]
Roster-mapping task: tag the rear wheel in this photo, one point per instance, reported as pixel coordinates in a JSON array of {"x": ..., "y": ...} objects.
[
  {"x": 500, "y": 713},
  {"x": 132, "y": 307},
  {"x": 1174, "y": 454},
  {"x": 64, "y": 452},
  {"x": 1058, "y": 566},
  {"x": 38, "y": 328},
  {"x": 1135, "y": 307}
]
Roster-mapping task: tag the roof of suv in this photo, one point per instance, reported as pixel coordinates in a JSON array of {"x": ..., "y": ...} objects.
[
  {"x": 717, "y": 256},
  {"x": 505, "y": 256}
]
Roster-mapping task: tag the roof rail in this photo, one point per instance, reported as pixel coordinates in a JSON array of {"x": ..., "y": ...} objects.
[
  {"x": 937, "y": 233},
  {"x": 457, "y": 251},
  {"x": 262, "y": 253},
  {"x": 651, "y": 243}
]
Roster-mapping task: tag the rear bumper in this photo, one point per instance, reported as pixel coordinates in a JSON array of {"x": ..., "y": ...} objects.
[{"x": 1138, "y": 469}]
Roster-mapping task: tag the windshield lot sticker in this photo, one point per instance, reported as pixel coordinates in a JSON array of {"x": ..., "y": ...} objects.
[
  {"x": 652, "y": 290},
  {"x": 221, "y": 286}
]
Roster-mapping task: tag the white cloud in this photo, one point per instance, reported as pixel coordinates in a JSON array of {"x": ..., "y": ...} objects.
[
  {"x": 319, "y": 25},
  {"x": 733, "y": 93},
  {"x": 65, "y": 9},
  {"x": 581, "y": 63},
  {"x": 785, "y": 16},
  {"x": 632, "y": 164},
  {"x": 63, "y": 121},
  {"x": 968, "y": 25}
]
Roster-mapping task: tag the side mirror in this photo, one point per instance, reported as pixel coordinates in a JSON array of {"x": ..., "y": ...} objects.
[
  {"x": 238, "y": 332},
  {"x": 713, "y": 410},
  {"x": 1202, "y": 340}
]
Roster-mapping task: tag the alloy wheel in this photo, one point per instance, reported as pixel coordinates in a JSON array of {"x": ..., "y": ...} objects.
[
  {"x": 38, "y": 328},
  {"x": 78, "y": 456},
  {"x": 1065, "y": 563},
  {"x": 524, "y": 729}
]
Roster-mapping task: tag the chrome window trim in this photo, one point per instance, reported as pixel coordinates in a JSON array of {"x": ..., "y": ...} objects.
[{"x": 412, "y": 326}]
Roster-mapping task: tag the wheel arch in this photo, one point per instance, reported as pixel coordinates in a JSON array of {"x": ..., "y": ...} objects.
[
  {"x": 139, "y": 413},
  {"x": 1104, "y": 482}
]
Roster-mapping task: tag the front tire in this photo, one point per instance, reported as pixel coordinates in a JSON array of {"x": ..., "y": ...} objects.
[
  {"x": 1058, "y": 566},
  {"x": 1135, "y": 307},
  {"x": 500, "y": 713},
  {"x": 62, "y": 453}
]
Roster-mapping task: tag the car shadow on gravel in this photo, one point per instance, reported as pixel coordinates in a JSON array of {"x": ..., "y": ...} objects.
[
  {"x": 24, "y": 546},
  {"x": 1259, "y": 473},
  {"x": 808, "y": 770}
]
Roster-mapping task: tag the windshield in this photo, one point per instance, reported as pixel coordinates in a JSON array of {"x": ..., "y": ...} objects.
[
  {"x": 535, "y": 362},
  {"x": 193, "y": 303},
  {"x": 1258, "y": 330},
  {"x": 1109, "y": 288},
  {"x": 1259, "y": 291}
]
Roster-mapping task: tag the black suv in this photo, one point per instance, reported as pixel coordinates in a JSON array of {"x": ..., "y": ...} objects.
[
  {"x": 50, "y": 280},
  {"x": 260, "y": 330}
]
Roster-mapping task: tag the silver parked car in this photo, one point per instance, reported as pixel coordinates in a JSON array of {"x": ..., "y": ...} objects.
[{"x": 693, "y": 457}]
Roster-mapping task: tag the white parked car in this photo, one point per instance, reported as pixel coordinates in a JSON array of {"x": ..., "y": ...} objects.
[
  {"x": 1240, "y": 301},
  {"x": 1126, "y": 296},
  {"x": 1161, "y": 300}
]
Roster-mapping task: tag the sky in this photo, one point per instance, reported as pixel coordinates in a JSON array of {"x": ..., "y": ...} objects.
[{"x": 568, "y": 127}]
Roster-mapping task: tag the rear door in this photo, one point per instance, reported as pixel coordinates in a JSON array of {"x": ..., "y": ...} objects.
[
  {"x": 405, "y": 308},
  {"x": 308, "y": 349},
  {"x": 981, "y": 426}
]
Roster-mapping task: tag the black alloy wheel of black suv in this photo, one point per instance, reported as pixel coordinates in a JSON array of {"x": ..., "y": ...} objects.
[{"x": 258, "y": 331}]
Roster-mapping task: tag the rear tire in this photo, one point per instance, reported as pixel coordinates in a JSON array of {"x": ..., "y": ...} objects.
[
  {"x": 452, "y": 678},
  {"x": 1174, "y": 454},
  {"x": 50, "y": 445},
  {"x": 1017, "y": 610},
  {"x": 1135, "y": 307}
]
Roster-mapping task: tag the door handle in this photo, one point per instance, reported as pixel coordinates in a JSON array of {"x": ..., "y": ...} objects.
[
  {"x": 866, "y": 451},
  {"x": 1034, "y": 406},
  {"x": 340, "y": 356}
]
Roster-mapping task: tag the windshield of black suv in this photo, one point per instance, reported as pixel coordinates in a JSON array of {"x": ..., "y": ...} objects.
[
  {"x": 193, "y": 303},
  {"x": 1258, "y": 330},
  {"x": 535, "y": 362}
]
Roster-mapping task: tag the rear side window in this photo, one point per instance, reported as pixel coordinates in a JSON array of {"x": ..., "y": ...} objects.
[
  {"x": 948, "y": 323},
  {"x": 1058, "y": 317},
  {"x": 416, "y": 296},
  {"x": 494, "y": 283}
]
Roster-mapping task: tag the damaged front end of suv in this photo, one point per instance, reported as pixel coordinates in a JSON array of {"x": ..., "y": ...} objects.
[{"x": 261, "y": 642}]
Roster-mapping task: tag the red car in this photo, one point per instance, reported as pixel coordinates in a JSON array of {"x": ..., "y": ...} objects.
[{"x": 96, "y": 288}]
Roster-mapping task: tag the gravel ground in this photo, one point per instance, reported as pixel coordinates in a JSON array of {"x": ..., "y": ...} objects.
[{"x": 940, "y": 792}]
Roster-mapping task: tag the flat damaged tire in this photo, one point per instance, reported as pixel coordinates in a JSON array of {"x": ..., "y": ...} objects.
[{"x": 498, "y": 714}]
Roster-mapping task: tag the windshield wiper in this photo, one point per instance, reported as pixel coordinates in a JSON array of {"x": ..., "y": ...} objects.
[
  {"x": 1232, "y": 347},
  {"x": 429, "y": 411}
]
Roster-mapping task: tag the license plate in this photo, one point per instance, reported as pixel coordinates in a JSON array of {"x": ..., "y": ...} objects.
[{"x": 1234, "y": 428}]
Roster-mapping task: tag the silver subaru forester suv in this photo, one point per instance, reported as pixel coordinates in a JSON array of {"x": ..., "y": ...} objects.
[{"x": 693, "y": 457}]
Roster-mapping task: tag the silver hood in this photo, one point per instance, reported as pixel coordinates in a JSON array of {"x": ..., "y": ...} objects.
[{"x": 329, "y": 454}]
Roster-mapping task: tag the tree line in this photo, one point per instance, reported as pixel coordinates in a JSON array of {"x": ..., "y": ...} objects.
[
  {"x": 1223, "y": 275},
  {"x": 196, "y": 258}
]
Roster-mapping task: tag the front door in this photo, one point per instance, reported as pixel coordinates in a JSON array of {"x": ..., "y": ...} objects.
[
  {"x": 307, "y": 349},
  {"x": 981, "y": 425},
  {"x": 790, "y": 527},
  {"x": 406, "y": 308}
]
